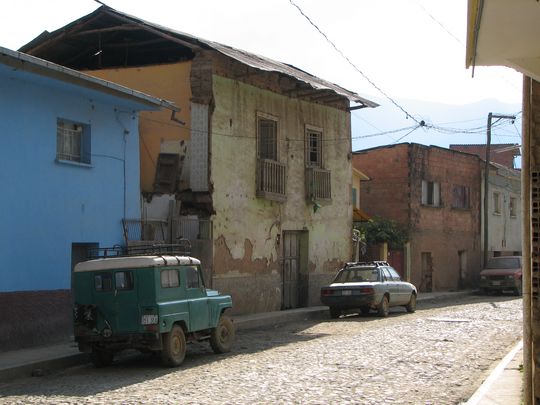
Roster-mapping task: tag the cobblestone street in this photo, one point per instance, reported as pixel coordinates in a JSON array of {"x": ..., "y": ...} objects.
[{"x": 438, "y": 355}]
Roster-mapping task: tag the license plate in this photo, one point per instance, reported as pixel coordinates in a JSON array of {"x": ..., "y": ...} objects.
[
  {"x": 149, "y": 319},
  {"x": 495, "y": 283},
  {"x": 346, "y": 292}
]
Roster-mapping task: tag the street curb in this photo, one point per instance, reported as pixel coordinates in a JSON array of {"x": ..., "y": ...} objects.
[
  {"x": 254, "y": 321},
  {"x": 43, "y": 367},
  {"x": 481, "y": 392}
]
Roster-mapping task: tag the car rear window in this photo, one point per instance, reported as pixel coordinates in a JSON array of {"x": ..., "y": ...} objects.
[
  {"x": 504, "y": 263},
  {"x": 356, "y": 275}
]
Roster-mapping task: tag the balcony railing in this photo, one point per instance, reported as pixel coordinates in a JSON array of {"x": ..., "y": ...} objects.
[
  {"x": 271, "y": 180},
  {"x": 318, "y": 184}
]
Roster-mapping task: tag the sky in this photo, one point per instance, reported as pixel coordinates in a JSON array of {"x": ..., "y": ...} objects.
[{"x": 412, "y": 50}]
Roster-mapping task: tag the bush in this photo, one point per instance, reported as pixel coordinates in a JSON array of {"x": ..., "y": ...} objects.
[{"x": 379, "y": 230}]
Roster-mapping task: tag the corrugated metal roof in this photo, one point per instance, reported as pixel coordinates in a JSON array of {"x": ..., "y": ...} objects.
[{"x": 249, "y": 59}]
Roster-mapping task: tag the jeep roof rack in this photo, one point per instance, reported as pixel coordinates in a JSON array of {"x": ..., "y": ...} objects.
[{"x": 181, "y": 248}]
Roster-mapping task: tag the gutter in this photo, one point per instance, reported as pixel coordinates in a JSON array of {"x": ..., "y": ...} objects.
[{"x": 476, "y": 33}]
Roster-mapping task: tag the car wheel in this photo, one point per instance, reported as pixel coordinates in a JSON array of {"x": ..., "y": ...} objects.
[
  {"x": 365, "y": 310},
  {"x": 101, "y": 358},
  {"x": 334, "y": 313},
  {"x": 384, "y": 307},
  {"x": 222, "y": 336},
  {"x": 174, "y": 347},
  {"x": 411, "y": 306}
]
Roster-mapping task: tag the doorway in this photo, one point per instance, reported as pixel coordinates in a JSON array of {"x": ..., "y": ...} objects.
[
  {"x": 295, "y": 275},
  {"x": 80, "y": 252}
]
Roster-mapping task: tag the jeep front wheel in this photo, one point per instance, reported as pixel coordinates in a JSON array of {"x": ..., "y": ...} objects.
[
  {"x": 222, "y": 336},
  {"x": 174, "y": 347}
]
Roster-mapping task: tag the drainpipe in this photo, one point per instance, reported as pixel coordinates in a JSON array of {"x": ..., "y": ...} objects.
[{"x": 526, "y": 237}]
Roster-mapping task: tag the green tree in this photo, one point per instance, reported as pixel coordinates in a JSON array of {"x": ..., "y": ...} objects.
[{"x": 379, "y": 230}]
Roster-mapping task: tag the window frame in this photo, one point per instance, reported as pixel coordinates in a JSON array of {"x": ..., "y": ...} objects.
[
  {"x": 168, "y": 283},
  {"x": 189, "y": 281},
  {"x": 102, "y": 276},
  {"x": 319, "y": 151},
  {"x": 496, "y": 196},
  {"x": 128, "y": 277},
  {"x": 512, "y": 207},
  {"x": 267, "y": 117},
  {"x": 428, "y": 190},
  {"x": 68, "y": 154}
]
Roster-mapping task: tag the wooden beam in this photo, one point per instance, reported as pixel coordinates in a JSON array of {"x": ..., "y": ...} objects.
[
  {"x": 124, "y": 27},
  {"x": 156, "y": 31}
]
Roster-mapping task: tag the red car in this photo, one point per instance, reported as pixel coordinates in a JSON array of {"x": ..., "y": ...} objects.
[{"x": 502, "y": 274}]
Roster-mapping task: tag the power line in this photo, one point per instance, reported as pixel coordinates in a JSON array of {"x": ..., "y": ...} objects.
[
  {"x": 440, "y": 24},
  {"x": 353, "y": 65}
]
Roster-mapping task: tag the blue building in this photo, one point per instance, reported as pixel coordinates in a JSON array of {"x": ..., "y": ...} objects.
[{"x": 69, "y": 170}]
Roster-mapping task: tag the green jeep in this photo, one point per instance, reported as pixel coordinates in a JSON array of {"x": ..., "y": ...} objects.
[{"x": 150, "y": 302}]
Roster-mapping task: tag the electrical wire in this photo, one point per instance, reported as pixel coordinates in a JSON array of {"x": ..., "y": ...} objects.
[{"x": 353, "y": 65}]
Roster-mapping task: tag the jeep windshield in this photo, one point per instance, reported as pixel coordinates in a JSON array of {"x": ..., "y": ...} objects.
[{"x": 358, "y": 275}]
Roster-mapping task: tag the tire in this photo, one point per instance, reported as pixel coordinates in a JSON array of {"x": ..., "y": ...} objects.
[
  {"x": 101, "y": 358},
  {"x": 384, "y": 307},
  {"x": 365, "y": 310},
  {"x": 411, "y": 306},
  {"x": 222, "y": 336},
  {"x": 334, "y": 313},
  {"x": 174, "y": 347}
]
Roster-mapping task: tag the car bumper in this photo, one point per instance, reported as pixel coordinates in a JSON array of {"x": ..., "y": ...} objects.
[
  {"x": 500, "y": 285},
  {"x": 350, "y": 302}
]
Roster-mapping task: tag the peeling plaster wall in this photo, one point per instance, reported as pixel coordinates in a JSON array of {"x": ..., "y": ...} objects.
[{"x": 247, "y": 229}]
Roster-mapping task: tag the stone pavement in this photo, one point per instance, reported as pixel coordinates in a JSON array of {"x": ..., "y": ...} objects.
[{"x": 43, "y": 360}]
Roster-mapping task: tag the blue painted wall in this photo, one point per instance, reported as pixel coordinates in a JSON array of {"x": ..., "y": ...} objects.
[{"x": 45, "y": 205}]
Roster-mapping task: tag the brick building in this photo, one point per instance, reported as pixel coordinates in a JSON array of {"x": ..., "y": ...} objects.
[
  {"x": 436, "y": 193},
  {"x": 502, "y": 153}
]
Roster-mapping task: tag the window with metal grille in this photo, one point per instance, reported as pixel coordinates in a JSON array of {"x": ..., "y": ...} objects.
[
  {"x": 267, "y": 139},
  {"x": 313, "y": 148},
  {"x": 72, "y": 141}
]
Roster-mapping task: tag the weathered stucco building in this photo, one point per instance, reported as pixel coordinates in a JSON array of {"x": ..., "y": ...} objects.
[
  {"x": 435, "y": 193},
  {"x": 257, "y": 173}
]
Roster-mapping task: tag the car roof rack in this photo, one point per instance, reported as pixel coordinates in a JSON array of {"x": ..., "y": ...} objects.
[
  {"x": 181, "y": 248},
  {"x": 374, "y": 263}
]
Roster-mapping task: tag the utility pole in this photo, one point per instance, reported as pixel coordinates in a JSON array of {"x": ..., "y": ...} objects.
[{"x": 498, "y": 117}]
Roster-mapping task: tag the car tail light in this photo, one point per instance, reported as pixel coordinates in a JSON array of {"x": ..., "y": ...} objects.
[
  {"x": 367, "y": 290},
  {"x": 151, "y": 328},
  {"x": 327, "y": 291}
]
